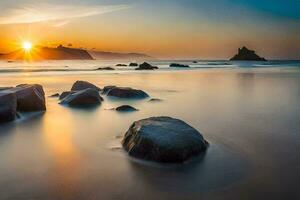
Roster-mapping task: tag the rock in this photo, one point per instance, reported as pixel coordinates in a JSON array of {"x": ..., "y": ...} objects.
[
  {"x": 107, "y": 88},
  {"x": 86, "y": 97},
  {"x": 246, "y": 54},
  {"x": 163, "y": 139},
  {"x": 126, "y": 108},
  {"x": 121, "y": 65},
  {"x": 8, "y": 106},
  {"x": 155, "y": 100},
  {"x": 81, "y": 85},
  {"x": 127, "y": 92},
  {"x": 146, "y": 66},
  {"x": 105, "y": 68},
  {"x": 5, "y": 88},
  {"x": 64, "y": 94},
  {"x": 195, "y": 61},
  {"x": 178, "y": 65},
  {"x": 30, "y": 97},
  {"x": 54, "y": 95},
  {"x": 133, "y": 64}
]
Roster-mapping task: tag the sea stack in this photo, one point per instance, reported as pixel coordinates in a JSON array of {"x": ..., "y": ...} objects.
[{"x": 246, "y": 54}]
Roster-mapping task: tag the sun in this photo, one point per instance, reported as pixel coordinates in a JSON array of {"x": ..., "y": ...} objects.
[{"x": 26, "y": 45}]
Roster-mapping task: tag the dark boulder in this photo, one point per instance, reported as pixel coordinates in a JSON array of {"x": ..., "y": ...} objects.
[
  {"x": 247, "y": 54},
  {"x": 126, "y": 108},
  {"x": 8, "y": 106},
  {"x": 163, "y": 139},
  {"x": 127, "y": 92},
  {"x": 133, "y": 64},
  {"x": 30, "y": 97},
  {"x": 86, "y": 97},
  {"x": 81, "y": 85},
  {"x": 146, "y": 66},
  {"x": 179, "y": 65}
]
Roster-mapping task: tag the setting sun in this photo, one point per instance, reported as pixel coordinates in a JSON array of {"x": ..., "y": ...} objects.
[{"x": 27, "y": 45}]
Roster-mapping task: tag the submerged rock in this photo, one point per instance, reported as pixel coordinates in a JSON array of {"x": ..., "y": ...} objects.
[
  {"x": 155, "y": 100},
  {"x": 105, "y": 68},
  {"x": 126, "y": 108},
  {"x": 133, "y": 64},
  {"x": 54, "y": 95},
  {"x": 146, "y": 66},
  {"x": 30, "y": 97},
  {"x": 86, "y": 97},
  {"x": 106, "y": 89},
  {"x": 247, "y": 54},
  {"x": 81, "y": 85},
  {"x": 8, "y": 106},
  {"x": 178, "y": 65},
  {"x": 127, "y": 92},
  {"x": 163, "y": 139}
]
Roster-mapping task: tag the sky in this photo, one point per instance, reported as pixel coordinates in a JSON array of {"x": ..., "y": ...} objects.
[{"x": 202, "y": 29}]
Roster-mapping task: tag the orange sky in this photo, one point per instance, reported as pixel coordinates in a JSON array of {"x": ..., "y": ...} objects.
[{"x": 172, "y": 33}]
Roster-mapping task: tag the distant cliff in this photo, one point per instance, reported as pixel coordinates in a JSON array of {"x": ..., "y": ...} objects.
[
  {"x": 247, "y": 54},
  {"x": 102, "y": 55},
  {"x": 46, "y": 53}
]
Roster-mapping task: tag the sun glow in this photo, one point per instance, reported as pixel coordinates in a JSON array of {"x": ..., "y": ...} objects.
[{"x": 27, "y": 45}]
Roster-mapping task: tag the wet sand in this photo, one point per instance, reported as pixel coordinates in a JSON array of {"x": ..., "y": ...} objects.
[{"x": 251, "y": 117}]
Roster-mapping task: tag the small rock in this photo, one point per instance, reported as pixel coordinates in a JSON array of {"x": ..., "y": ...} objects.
[
  {"x": 54, "y": 95},
  {"x": 121, "y": 65},
  {"x": 133, "y": 64},
  {"x": 81, "y": 85},
  {"x": 178, "y": 65},
  {"x": 155, "y": 100},
  {"x": 105, "y": 68},
  {"x": 126, "y": 108},
  {"x": 146, "y": 66}
]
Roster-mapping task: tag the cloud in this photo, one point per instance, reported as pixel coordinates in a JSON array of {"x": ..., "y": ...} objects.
[{"x": 48, "y": 12}]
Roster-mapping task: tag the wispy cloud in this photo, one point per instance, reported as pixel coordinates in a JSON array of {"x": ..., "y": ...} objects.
[{"x": 61, "y": 13}]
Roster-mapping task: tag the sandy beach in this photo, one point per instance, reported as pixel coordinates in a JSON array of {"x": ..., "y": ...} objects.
[{"x": 249, "y": 116}]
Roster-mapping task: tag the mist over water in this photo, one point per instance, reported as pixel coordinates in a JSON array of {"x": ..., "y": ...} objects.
[{"x": 249, "y": 114}]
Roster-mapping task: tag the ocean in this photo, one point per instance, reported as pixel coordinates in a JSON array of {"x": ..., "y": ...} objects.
[{"x": 248, "y": 111}]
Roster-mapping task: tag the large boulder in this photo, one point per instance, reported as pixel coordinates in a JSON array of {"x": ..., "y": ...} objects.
[
  {"x": 30, "y": 97},
  {"x": 87, "y": 97},
  {"x": 127, "y": 92},
  {"x": 163, "y": 139},
  {"x": 146, "y": 66},
  {"x": 81, "y": 85},
  {"x": 8, "y": 106}
]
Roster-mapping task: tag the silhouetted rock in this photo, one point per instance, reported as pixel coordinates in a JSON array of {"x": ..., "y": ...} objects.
[
  {"x": 107, "y": 88},
  {"x": 163, "y": 139},
  {"x": 133, "y": 64},
  {"x": 30, "y": 97},
  {"x": 81, "y": 85},
  {"x": 146, "y": 66},
  {"x": 121, "y": 65},
  {"x": 54, "y": 95},
  {"x": 105, "y": 68},
  {"x": 8, "y": 106},
  {"x": 126, "y": 108},
  {"x": 86, "y": 97},
  {"x": 127, "y": 92},
  {"x": 246, "y": 54},
  {"x": 195, "y": 61},
  {"x": 178, "y": 65}
]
